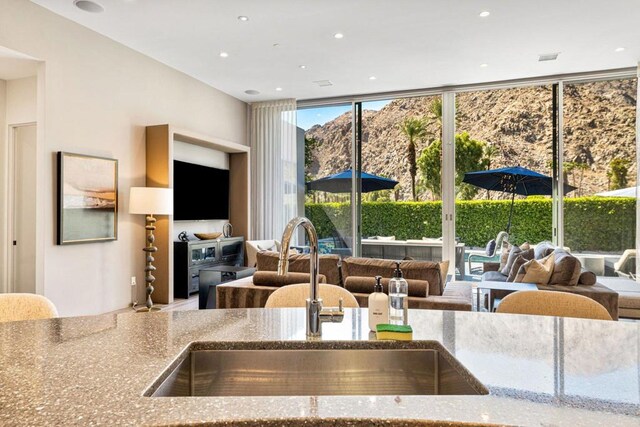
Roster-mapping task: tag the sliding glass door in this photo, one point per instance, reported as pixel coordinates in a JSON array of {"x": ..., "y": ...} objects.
[
  {"x": 599, "y": 138},
  {"x": 401, "y": 153},
  {"x": 502, "y": 128},
  {"x": 327, "y": 132}
]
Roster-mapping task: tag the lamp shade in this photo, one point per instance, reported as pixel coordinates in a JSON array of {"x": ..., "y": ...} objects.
[{"x": 151, "y": 201}]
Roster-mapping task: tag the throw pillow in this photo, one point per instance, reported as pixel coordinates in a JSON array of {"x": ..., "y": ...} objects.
[
  {"x": 536, "y": 271},
  {"x": 566, "y": 270},
  {"x": 504, "y": 254},
  {"x": 587, "y": 278},
  {"x": 491, "y": 247},
  {"x": 513, "y": 254},
  {"x": 543, "y": 249},
  {"x": 522, "y": 258},
  {"x": 525, "y": 246}
]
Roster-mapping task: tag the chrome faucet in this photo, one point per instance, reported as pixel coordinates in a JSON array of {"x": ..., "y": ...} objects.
[{"x": 315, "y": 314}]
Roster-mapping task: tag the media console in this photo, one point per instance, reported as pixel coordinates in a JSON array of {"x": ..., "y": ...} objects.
[{"x": 190, "y": 257}]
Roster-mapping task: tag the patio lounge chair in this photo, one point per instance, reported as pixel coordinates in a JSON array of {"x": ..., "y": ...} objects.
[
  {"x": 495, "y": 255},
  {"x": 626, "y": 265}
]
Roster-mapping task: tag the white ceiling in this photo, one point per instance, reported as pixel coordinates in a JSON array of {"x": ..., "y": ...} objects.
[
  {"x": 15, "y": 65},
  {"x": 406, "y": 44}
]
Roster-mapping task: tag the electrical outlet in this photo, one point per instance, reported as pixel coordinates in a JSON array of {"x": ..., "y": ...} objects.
[{"x": 133, "y": 281}]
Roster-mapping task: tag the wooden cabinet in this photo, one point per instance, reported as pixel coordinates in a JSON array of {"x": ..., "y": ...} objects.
[{"x": 190, "y": 257}]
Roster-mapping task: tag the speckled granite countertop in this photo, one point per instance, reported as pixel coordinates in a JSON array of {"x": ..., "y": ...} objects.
[{"x": 539, "y": 370}]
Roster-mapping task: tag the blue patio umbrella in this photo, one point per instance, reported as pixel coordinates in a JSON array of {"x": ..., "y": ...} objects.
[
  {"x": 341, "y": 183},
  {"x": 514, "y": 180}
]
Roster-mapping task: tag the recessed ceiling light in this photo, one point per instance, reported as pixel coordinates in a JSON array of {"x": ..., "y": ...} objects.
[
  {"x": 252, "y": 92},
  {"x": 243, "y": 18},
  {"x": 484, "y": 65},
  {"x": 302, "y": 67},
  {"x": 338, "y": 35},
  {"x": 278, "y": 89},
  {"x": 89, "y": 6},
  {"x": 324, "y": 83},
  {"x": 619, "y": 49},
  {"x": 224, "y": 55},
  {"x": 484, "y": 14},
  {"x": 548, "y": 56},
  {"x": 372, "y": 77}
]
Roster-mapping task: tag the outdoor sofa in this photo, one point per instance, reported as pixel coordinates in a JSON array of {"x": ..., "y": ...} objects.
[{"x": 568, "y": 276}]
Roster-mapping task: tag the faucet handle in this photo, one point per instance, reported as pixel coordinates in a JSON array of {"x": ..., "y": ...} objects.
[{"x": 341, "y": 304}]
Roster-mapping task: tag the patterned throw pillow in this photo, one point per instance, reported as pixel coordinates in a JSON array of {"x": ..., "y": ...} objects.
[{"x": 538, "y": 272}]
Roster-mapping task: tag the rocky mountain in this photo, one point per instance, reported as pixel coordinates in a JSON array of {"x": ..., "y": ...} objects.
[{"x": 599, "y": 126}]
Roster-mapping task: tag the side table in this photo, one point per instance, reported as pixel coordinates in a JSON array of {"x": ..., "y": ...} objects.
[
  {"x": 502, "y": 286},
  {"x": 213, "y": 276}
]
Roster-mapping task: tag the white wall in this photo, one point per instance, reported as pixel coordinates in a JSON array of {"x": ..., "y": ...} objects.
[
  {"x": 97, "y": 97},
  {"x": 22, "y": 101}
]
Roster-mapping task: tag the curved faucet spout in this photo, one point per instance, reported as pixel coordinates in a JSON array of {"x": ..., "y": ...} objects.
[{"x": 283, "y": 262}]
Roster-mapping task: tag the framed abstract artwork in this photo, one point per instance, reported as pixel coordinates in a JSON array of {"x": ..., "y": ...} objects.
[{"x": 87, "y": 199}]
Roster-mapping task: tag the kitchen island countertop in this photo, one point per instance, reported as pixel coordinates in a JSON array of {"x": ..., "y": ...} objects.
[{"x": 539, "y": 370}]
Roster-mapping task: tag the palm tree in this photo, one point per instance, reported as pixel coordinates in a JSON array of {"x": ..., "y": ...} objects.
[{"x": 414, "y": 128}]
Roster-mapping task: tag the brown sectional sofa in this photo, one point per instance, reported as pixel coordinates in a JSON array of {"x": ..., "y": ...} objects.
[
  {"x": 426, "y": 287},
  {"x": 571, "y": 278}
]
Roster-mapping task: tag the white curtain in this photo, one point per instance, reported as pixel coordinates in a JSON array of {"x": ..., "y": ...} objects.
[{"x": 273, "y": 174}]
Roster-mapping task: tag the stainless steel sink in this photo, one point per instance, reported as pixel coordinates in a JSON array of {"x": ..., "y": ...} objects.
[{"x": 340, "y": 370}]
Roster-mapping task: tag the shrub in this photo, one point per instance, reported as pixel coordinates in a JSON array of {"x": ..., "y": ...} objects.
[{"x": 591, "y": 223}]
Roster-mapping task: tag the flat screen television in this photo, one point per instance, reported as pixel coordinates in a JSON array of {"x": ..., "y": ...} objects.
[{"x": 199, "y": 192}]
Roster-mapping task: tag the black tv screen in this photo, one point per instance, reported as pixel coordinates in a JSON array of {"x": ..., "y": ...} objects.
[{"x": 199, "y": 192}]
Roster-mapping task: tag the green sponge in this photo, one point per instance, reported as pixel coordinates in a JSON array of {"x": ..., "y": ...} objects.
[{"x": 394, "y": 332}]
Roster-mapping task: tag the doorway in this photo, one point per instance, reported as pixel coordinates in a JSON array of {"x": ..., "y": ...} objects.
[{"x": 22, "y": 211}]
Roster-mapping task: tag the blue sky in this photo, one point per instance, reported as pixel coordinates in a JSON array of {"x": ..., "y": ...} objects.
[{"x": 309, "y": 117}]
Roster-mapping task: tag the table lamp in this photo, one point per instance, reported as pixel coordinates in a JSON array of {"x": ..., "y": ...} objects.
[{"x": 150, "y": 201}]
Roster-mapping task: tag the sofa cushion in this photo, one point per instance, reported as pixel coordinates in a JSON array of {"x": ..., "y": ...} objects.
[
  {"x": 543, "y": 249},
  {"x": 587, "y": 278},
  {"x": 506, "y": 251},
  {"x": 271, "y": 278},
  {"x": 520, "y": 260},
  {"x": 566, "y": 269},
  {"x": 493, "y": 276},
  {"x": 268, "y": 261},
  {"x": 417, "y": 270},
  {"x": 536, "y": 271},
  {"x": 513, "y": 254},
  {"x": 360, "y": 284}
]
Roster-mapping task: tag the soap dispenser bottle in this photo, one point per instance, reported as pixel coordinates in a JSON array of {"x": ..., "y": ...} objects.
[
  {"x": 378, "y": 306},
  {"x": 398, "y": 298}
]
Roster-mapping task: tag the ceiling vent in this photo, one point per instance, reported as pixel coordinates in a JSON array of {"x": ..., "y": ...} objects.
[
  {"x": 548, "y": 57},
  {"x": 323, "y": 83}
]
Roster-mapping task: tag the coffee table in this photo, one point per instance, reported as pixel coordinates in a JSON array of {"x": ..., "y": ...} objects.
[{"x": 509, "y": 287}]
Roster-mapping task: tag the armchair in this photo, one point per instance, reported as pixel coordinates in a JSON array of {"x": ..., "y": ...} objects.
[{"x": 502, "y": 237}]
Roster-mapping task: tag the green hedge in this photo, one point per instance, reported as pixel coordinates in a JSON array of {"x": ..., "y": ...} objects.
[{"x": 591, "y": 223}]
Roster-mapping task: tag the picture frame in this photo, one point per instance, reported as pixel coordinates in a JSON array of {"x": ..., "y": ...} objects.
[{"x": 87, "y": 199}]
